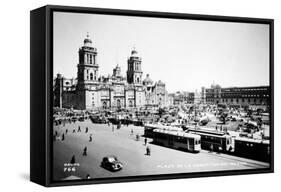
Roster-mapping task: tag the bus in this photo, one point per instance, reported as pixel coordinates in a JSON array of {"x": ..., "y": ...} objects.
[
  {"x": 214, "y": 140},
  {"x": 177, "y": 140},
  {"x": 148, "y": 129}
]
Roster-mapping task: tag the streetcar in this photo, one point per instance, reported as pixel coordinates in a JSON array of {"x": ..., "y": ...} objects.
[
  {"x": 214, "y": 140},
  {"x": 148, "y": 129},
  {"x": 252, "y": 148},
  {"x": 177, "y": 140}
]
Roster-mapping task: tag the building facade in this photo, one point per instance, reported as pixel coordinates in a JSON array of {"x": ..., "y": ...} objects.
[
  {"x": 184, "y": 97},
  {"x": 240, "y": 96},
  {"x": 92, "y": 91}
]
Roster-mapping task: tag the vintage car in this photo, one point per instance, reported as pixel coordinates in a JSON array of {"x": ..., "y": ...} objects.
[{"x": 111, "y": 163}]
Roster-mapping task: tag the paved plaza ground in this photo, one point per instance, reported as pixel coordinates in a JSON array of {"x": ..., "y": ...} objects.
[{"x": 132, "y": 154}]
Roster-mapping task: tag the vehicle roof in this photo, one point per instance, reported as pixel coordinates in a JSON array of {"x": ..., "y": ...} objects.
[
  {"x": 163, "y": 127},
  {"x": 109, "y": 156},
  {"x": 177, "y": 133},
  {"x": 250, "y": 140}
]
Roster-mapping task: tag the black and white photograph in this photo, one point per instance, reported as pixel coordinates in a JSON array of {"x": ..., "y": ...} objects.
[{"x": 144, "y": 96}]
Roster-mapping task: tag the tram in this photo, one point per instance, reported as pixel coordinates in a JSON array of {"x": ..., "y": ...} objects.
[
  {"x": 177, "y": 140},
  {"x": 252, "y": 148},
  {"x": 148, "y": 129},
  {"x": 214, "y": 140}
]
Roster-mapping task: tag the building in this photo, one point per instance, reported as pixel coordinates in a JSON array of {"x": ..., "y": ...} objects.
[
  {"x": 92, "y": 91},
  {"x": 258, "y": 96},
  {"x": 184, "y": 97}
]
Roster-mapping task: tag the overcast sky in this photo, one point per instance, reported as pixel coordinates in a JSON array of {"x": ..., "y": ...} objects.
[{"x": 185, "y": 54}]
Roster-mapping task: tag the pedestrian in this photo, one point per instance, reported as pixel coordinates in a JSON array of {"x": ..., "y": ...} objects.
[
  {"x": 66, "y": 131},
  {"x": 137, "y": 137},
  {"x": 72, "y": 161},
  {"x": 211, "y": 148},
  {"x": 79, "y": 129},
  {"x": 62, "y": 137},
  {"x": 85, "y": 151},
  {"x": 73, "y": 131},
  {"x": 90, "y": 139},
  {"x": 148, "y": 151},
  {"x": 132, "y": 132},
  {"x": 56, "y": 133},
  {"x": 145, "y": 141},
  {"x": 86, "y": 131}
]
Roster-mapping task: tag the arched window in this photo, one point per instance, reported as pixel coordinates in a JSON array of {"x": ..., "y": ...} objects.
[
  {"x": 130, "y": 103},
  {"x": 91, "y": 76},
  {"x": 104, "y": 105},
  {"x": 138, "y": 80}
]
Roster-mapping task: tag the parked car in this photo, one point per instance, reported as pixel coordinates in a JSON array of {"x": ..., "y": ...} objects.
[{"x": 111, "y": 163}]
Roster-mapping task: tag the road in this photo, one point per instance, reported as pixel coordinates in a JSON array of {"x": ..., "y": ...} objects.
[{"x": 132, "y": 154}]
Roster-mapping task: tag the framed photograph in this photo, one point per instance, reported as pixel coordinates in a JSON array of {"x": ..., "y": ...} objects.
[{"x": 123, "y": 95}]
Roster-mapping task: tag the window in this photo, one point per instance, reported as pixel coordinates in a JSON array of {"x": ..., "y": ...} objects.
[
  {"x": 91, "y": 76},
  {"x": 91, "y": 58},
  {"x": 131, "y": 103}
]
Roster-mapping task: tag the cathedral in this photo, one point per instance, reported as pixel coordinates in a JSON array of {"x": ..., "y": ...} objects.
[{"x": 93, "y": 91}]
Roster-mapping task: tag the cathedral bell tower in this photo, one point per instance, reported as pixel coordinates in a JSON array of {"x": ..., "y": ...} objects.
[
  {"x": 134, "y": 72},
  {"x": 87, "y": 73}
]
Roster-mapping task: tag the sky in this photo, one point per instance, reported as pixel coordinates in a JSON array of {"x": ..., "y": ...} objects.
[{"x": 185, "y": 54}]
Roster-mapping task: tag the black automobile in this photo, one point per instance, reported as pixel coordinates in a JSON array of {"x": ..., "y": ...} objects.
[{"x": 111, "y": 163}]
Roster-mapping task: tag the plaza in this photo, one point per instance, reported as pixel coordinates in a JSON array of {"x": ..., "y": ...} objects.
[{"x": 108, "y": 140}]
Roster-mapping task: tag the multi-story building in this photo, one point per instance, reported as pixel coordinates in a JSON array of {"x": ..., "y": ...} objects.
[
  {"x": 184, "y": 97},
  {"x": 240, "y": 96},
  {"x": 91, "y": 91}
]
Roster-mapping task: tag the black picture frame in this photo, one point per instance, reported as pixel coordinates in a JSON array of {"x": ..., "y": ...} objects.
[{"x": 41, "y": 82}]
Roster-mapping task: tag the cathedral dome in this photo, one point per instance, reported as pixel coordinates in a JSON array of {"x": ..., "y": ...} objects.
[
  {"x": 147, "y": 80},
  {"x": 160, "y": 83},
  {"x": 87, "y": 41},
  {"x": 134, "y": 53}
]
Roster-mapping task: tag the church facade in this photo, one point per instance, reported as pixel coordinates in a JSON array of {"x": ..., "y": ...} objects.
[{"x": 93, "y": 91}]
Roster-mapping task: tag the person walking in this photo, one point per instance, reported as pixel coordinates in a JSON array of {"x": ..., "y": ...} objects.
[
  {"x": 90, "y": 138},
  {"x": 145, "y": 141},
  {"x": 137, "y": 137},
  {"x": 87, "y": 129},
  {"x": 62, "y": 137},
  {"x": 148, "y": 151},
  {"x": 79, "y": 129},
  {"x": 73, "y": 131},
  {"x": 85, "y": 151},
  {"x": 211, "y": 148},
  {"x": 66, "y": 131},
  {"x": 72, "y": 161}
]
